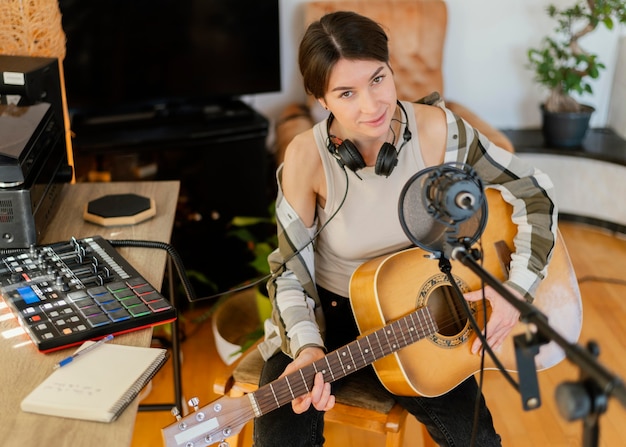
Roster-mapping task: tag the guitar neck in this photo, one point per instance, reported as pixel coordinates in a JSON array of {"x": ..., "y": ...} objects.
[{"x": 345, "y": 360}]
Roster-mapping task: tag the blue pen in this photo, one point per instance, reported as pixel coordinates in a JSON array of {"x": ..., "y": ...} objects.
[{"x": 89, "y": 348}]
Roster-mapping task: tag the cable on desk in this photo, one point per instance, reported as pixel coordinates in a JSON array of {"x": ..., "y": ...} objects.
[
  {"x": 173, "y": 254},
  {"x": 189, "y": 292}
]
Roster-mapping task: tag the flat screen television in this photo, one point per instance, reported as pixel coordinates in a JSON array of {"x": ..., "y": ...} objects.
[{"x": 136, "y": 54}]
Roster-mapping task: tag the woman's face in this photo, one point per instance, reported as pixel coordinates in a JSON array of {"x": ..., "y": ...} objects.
[{"x": 362, "y": 96}]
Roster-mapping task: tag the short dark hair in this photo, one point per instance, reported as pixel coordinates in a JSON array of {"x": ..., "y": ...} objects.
[{"x": 337, "y": 35}]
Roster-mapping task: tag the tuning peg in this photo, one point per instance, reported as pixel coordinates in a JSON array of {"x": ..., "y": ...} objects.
[
  {"x": 176, "y": 413},
  {"x": 194, "y": 402},
  {"x": 224, "y": 444}
]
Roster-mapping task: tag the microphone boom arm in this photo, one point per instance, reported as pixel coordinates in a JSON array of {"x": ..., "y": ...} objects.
[
  {"x": 443, "y": 210},
  {"x": 597, "y": 380}
]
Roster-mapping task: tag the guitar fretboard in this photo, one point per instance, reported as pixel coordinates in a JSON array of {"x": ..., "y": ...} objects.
[{"x": 346, "y": 360}]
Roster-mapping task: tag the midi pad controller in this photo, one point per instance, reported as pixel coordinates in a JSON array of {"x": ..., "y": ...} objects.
[{"x": 69, "y": 292}]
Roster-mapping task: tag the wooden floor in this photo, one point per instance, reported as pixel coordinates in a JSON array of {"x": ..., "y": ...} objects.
[{"x": 599, "y": 260}]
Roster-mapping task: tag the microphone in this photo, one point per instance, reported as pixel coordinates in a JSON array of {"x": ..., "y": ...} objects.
[
  {"x": 443, "y": 204},
  {"x": 452, "y": 195}
]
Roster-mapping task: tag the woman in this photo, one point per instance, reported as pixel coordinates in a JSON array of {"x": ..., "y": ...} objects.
[{"x": 339, "y": 187}]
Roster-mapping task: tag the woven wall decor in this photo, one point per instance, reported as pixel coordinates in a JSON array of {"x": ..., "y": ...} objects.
[{"x": 31, "y": 28}]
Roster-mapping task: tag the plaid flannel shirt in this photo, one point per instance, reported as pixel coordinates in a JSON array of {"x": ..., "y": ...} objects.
[{"x": 297, "y": 319}]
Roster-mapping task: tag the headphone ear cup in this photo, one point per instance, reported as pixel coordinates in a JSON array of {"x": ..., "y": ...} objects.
[
  {"x": 350, "y": 156},
  {"x": 387, "y": 160}
]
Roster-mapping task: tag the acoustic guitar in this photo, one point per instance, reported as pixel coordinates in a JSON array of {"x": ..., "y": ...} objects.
[
  {"x": 389, "y": 287},
  {"x": 399, "y": 300}
]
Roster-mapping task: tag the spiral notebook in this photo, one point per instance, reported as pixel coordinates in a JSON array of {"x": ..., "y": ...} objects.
[{"x": 97, "y": 386}]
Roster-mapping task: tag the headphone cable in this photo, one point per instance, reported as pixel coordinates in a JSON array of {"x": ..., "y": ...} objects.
[{"x": 281, "y": 268}]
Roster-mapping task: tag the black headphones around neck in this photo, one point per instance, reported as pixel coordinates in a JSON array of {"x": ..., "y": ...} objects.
[{"x": 348, "y": 155}]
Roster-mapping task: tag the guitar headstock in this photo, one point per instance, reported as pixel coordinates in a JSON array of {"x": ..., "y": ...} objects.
[{"x": 208, "y": 425}]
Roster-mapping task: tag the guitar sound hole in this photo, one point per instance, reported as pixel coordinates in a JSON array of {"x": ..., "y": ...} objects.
[{"x": 447, "y": 311}]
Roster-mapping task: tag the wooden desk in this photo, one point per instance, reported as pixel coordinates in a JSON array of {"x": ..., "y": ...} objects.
[{"x": 24, "y": 367}]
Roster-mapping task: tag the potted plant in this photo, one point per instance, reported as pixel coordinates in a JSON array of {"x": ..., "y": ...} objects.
[
  {"x": 259, "y": 233},
  {"x": 562, "y": 66},
  {"x": 238, "y": 317}
]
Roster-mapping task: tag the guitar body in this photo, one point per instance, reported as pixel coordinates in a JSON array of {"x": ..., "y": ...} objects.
[{"x": 388, "y": 287}]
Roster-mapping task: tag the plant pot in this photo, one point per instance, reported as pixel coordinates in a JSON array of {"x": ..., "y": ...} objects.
[
  {"x": 238, "y": 322},
  {"x": 565, "y": 129},
  {"x": 233, "y": 322}
]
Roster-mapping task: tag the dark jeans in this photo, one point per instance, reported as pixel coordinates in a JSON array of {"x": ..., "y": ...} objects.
[{"x": 449, "y": 418}]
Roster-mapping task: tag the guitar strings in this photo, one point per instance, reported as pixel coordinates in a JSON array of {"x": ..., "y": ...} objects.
[
  {"x": 348, "y": 359},
  {"x": 481, "y": 333},
  {"x": 281, "y": 391},
  {"x": 299, "y": 388}
]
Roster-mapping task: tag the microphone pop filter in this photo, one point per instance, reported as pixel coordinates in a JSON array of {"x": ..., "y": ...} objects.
[{"x": 430, "y": 224}]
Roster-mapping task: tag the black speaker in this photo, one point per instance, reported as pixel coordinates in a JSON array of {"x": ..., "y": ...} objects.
[{"x": 26, "y": 81}]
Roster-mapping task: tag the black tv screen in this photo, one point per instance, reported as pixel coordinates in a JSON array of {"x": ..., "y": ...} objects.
[{"x": 132, "y": 53}]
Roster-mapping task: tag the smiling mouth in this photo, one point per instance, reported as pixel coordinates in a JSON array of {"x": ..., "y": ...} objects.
[{"x": 376, "y": 122}]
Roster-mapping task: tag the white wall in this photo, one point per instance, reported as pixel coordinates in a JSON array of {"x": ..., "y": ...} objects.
[
  {"x": 617, "y": 107},
  {"x": 484, "y": 60}
]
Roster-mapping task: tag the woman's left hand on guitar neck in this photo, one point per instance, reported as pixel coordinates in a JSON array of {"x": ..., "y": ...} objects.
[
  {"x": 502, "y": 319},
  {"x": 319, "y": 396}
]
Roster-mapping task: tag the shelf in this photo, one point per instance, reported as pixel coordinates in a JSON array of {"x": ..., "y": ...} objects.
[
  {"x": 588, "y": 180},
  {"x": 599, "y": 143},
  {"x": 157, "y": 125}
]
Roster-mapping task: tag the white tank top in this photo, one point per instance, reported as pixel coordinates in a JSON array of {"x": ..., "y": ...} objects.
[{"x": 367, "y": 225}]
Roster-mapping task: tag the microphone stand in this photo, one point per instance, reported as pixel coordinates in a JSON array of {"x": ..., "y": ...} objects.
[{"x": 586, "y": 398}]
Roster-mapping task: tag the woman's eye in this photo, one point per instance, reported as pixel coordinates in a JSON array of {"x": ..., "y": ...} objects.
[
  {"x": 378, "y": 79},
  {"x": 346, "y": 94}
]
